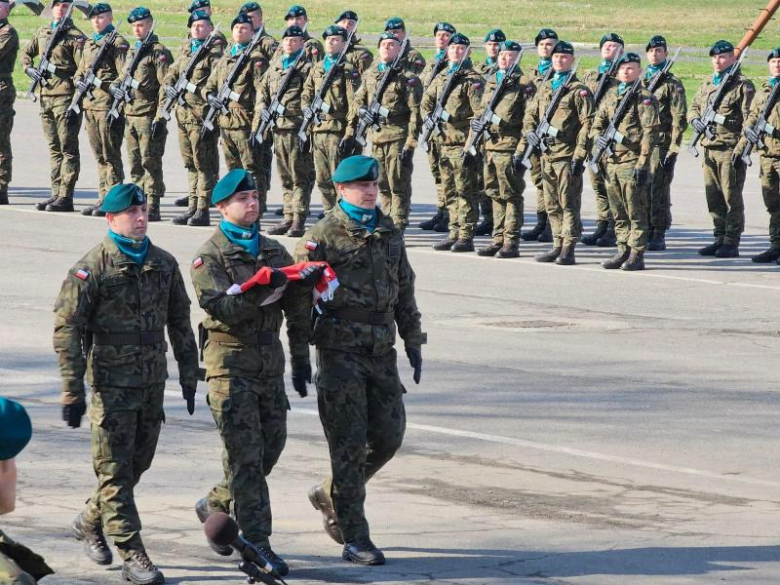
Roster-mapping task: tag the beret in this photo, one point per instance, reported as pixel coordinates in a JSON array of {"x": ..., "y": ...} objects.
[
  {"x": 387, "y": 36},
  {"x": 721, "y": 47},
  {"x": 55, "y": 2},
  {"x": 335, "y": 30},
  {"x": 249, "y": 7},
  {"x": 15, "y": 428},
  {"x": 510, "y": 46},
  {"x": 242, "y": 18},
  {"x": 496, "y": 35},
  {"x": 545, "y": 33},
  {"x": 563, "y": 47},
  {"x": 775, "y": 54},
  {"x": 444, "y": 26},
  {"x": 629, "y": 58},
  {"x": 198, "y": 15},
  {"x": 295, "y": 11},
  {"x": 656, "y": 41},
  {"x": 195, "y": 4},
  {"x": 396, "y": 22},
  {"x": 612, "y": 37},
  {"x": 234, "y": 182},
  {"x": 459, "y": 39},
  {"x": 292, "y": 31},
  {"x": 99, "y": 8},
  {"x": 357, "y": 168},
  {"x": 139, "y": 13},
  {"x": 121, "y": 197},
  {"x": 347, "y": 15}
]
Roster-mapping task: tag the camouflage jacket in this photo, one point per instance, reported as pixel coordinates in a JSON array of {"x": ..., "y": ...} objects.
[
  {"x": 107, "y": 71},
  {"x": 431, "y": 70},
  {"x": 115, "y": 302},
  {"x": 771, "y": 139},
  {"x": 462, "y": 102},
  {"x": 291, "y": 100},
  {"x": 539, "y": 78},
  {"x": 185, "y": 49},
  {"x": 194, "y": 108},
  {"x": 734, "y": 107},
  {"x": 413, "y": 60},
  {"x": 65, "y": 57},
  {"x": 359, "y": 56},
  {"x": 26, "y": 563},
  {"x": 518, "y": 92},
  {"x": 9, "y": 47},
  {"x": 313, "y": 49},
  {"x": 376, "y": 290},
  {"x": 672, "y": 112},
  {"x": 591, "y": 79},
  {"x": 149, "y": 75},
  {"x": 486, "y": 69},
  {"x": 572, "y": 119},
  {"x": 401, "y": 98},
  {"x": 639, "y": 127},
  {"x": 254, "y": 318},
  {"x": 340, "y": 95},
  {"x": 265, "y": 49}
]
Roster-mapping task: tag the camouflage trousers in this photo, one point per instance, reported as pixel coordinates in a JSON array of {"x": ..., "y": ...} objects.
[
  {"x": 461, "y": 185},
  {"x": 628, "y": 204},
  {"x": 62, "y": 134},
  {"x": 201, "y": 159},
  {"x": 538, "y": 181},
  {"x": 563, "y": 200},
  {"x": 660, "y": 213},
  {"x": 126, "y": 424},
  {"x": 723, "y": 185},
  {"x": 251, "y": 416},
  {"x": 145, "y": 154},
  {"x": 326, "y": 159},
  {"x": 505, "y": 189},
  {"x": 18, "y": 564},
  {"x": 434, "y": 154},
  {"x": 7, "y": 98},
  {"x": 770, "y": 189},
  {"x": 106, "y": 143},
  {"x": 395, "y": 181},
  {"x": 485, "y": 202},
  {"x": 360, "y": 400},
  {"x": 296, "y": 172},
  {"x": 265, "y": 155},
  {"x": 240, "y": 155},
  {"x": 599, "y": 184}
]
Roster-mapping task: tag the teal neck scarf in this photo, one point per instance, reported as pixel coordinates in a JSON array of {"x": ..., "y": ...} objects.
[
  {"x": 97, "y": 37},
  {"x": 718, "y": 77},
  {"x": 558, "y": 79},
  {"x": 490, "y": 61},
  {"x": 604, "y": 65},
  {"x": 246, "y": 238},
  {"x": 133, "y": 249},
  {"x": 195, "y": 45},
  {"x": 288, "y": 60},
  {"x": 544, "y": 64},
  {"x": 622, "y": 87},
  {"x": 238, "y": 48},
  {"x": 653, "y": 69},
  {"x": 328, "y": 62},
  {"x": 452, "y": 66},
  {"x": 773, "y": 81},
  {"x": 500, "y": 75},
  {"x": 382, "y": 66},
  {"x": 440, "y": 54},
  {"x": 365, "y": 217}
]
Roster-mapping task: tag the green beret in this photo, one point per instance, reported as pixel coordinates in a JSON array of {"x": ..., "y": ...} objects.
[
  {"x": 198, "y": 15},
  {"x": 99, "y": 8},
  {"x": 775, "y": 54},
  {"x": 242, "y": 18},
  {"x": 346, "y": 15},
  {"x": 196, "y": 4},
  {"x": 721, "y": 47},
  {"x": 445, "y": 26},
  {"x": 357, "y": 168},
  {"x": 613, "y": 38},
  {"x": 656, "y": 41},
  {"x": 496, "y": 36},
  {"x": 139, "y": 13},
  {"x": 15, "y": 429},
  {"x": 295, "y": 11},
  {"x": 387, "y": 36},
  {"x": 510, "y": 46},
  {"x": 335, "y": 31},
  {"x": 292, "y": 31},
  {"x": 544, "y": 34},
  {"x": 563, "y": 47},
  {"x": 459, "y": 39},
  {"x": 629, "y": 58},
  {"x": 121, "y": 197},
  {"x": 395, "y": 23},
  {"x": 55, "y": 2},
  {"x": 234, "y": 182},
  {"x": 249, "y": 7}
]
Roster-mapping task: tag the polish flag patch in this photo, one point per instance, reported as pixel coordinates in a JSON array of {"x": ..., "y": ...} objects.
[
  {"x": 309, "y": 245},
  {"x": 82, "y": 274},
  {"x": 198, "y": 262},
  {"x": 583, "y": 92},
  {"x": 647, "y": 102}
]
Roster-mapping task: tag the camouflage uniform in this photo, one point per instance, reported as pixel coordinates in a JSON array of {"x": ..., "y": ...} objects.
[
  {"x": 313, "y": 49},
  {"x": 359, "y": 56},
  {"x": 485, "y": 69},
  {"x": 9, "y": 47},
  {"x": 18, "y": 564},
  {"x": 536, "y": 161},
  {"x": 62, "y": 132},
  {"x": 264, "y": 153},
  {"x": 106, "y": 141},
  {"x": 723, "y": 181},
  {"x": 184, "y": 51},
  {"x": 460, "y": 183},
  {"x": 119, "y": 310},
  {"x": 427, "y": 76},
  {"x": 413, "y": 61},
  {"x": 245, "y": 367},
  {"x": 398, "y": 131},
  {"x": 359, "y": 392},
  {"x": 627, "y": 200}
]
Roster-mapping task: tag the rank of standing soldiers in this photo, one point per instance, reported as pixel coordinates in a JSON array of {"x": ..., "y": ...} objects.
[{"x": 257, "y": 92}]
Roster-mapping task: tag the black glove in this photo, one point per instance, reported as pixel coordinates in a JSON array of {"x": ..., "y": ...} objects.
[
  {"x": 577, "y": 167},
  {"x": 602, "y": 142},
  {"x": 415, "y": 360},
  {"x": 214, "y": 102},
  {"x": 366, "y": 117},
  {"x": 348, "y": 147},
  {"x": 171, "y": 93},
  {"x": 33, "y": 74},
  {"x": 278, "y": 278},
  {"x": 736, "y": 161},
  {"x": 640, "y": 177},
  {"x": 158, "y": 127},
  {"x": 72, "y": 413},
  {"x": 478, "y": 125},
  {"x": 83, "y": 86},
  {"x": 532, "y": 139},
  {"x": 311, "y": 275},
  {"x": 188, "y": 393},
  {"x": 670, "y": 161},
  {"x": 117, "y": 92},
  {"x": 407, "y": 154},
  {"x": 428, "y": 121},
  {"x": 751, "y": 134},
  {"x": 470, "y": 161},
  {"x": 265, "y": 115},
  {"x": 517, "y": 165},
  {"x": 698, "y": 125},
  {"x": 301, "y": 375},
  {"x": 308, "y": 112}
]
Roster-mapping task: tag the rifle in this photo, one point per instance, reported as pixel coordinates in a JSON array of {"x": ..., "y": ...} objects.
[
  {"x": 710, "y": 115},
  {"x": 128, "y": 82},
  {"x": 375, "y": 108},
  {"x": 276, "y": 108},
  {"x": 432, "y": 123},
  {"x": 601, "y": 87},
  {"x": 44, "y": 66},
  {"x": 318, "y": 105},
  {"x": 611, "y": 133},
  {"x": 656, "y": 80},
  {"x": 489, "y": 116},
  {"x": 91, "y": 78},
  {"x": 437, "y": 67},
  {"x": 226, "y": 92},
  {"x": 762, "y": 125},
  {"x": 544, "y": 128}
]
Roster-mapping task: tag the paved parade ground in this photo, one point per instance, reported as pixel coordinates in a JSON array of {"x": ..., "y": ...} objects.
[{"x": 573, "y": 425}]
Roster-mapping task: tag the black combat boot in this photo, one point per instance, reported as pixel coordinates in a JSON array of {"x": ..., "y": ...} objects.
[
  {"x": 442, "y": 225},
  {"x": 445, "y": 244},
  {"x": 710, "y": 249},
  {"x": 546, "y": 236},
  {"x": 279, "y": 211},
  {"x": 42, "y": 205},
  {"x": 601, "y": 229},
  {"x": 508, "y": 250},
  {"x": 200, "y": 218},
  {"x": 182, "y": 201},
  {"x": 533, "y": 234},
  {"x": 566, "y": 257},
  {"x": 278, "y": 563},
  {"x": 154, "y": 209},
  {"x": 89, "y": 209},
  {"x": 184, "y": 217},
  {"x": 636, "y": 261},
  {"x": 428, "y": 224},
  {"x": 617, "y": 260},
  {"x": 93, "y": 539},
  {"x": 321, "y": 502},
  {"x": 61, "y": 204},
  {"x": 281, "y": 229},
  {"x": 298, "y": 227},
  {"x": 362, "y": 552},
  {"x": 609, "y": 239},
  {"x": 727, "y": 251},
  {"x": 97, "y": 212},
  {"x": 140, "y": 570},
  {"x": 3, "y": 197},
  {"x": 549, "y": 256},
  {"x": 203, "y": 512},
  {"x": 321, "y": 215},
  {"x": 767, "y": 256},
  {"x": 484, "y": 228},
  {"x": 463, "y": 246},
  {"x": 490, "y": 250},
  {"x": 657, "y": 240}
]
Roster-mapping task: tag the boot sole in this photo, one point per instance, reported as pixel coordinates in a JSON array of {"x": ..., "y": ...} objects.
[
  {"x": 320, "y": 507},
  {"x": 102, "y": 561},
  {"x": 154, "y": 581},
  {"x": 353, "y": 559}
]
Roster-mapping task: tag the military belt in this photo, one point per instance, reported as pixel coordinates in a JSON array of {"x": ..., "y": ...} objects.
[
  {"x": 262, "y": 338},
  {"x": 5, "y": 76},
  {"x": 367, "y": 317},
  {"x": 135, "y": 338}
]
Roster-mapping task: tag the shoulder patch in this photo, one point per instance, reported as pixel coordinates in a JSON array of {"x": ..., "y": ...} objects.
[
  {"x": 410, "y": 81},
  {"x": 418, "y": 62},
  {"x": 259, "y": 63},
  {"x": 647, "y": 101},
  {"x": 310, "y": 245},
  {"x": 315, "y": 51},
  {"x": 750, "y": 89},
  {"x": 355, "y": 74},
  {"x": 583, "y": 92},
  {"x": 162, "y": 58},
  {"x": 366, "y": 55},
  {"x": 197, "y": 263},
  {"x": 82, "y": 274},
  {"x": 476, "y": 84}
]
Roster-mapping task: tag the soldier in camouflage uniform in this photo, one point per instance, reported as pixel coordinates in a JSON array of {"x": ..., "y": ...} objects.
[
  {"x": 412, "y": 59},
  {"x": 295, "y": 166},
  {"x": 769, "y": 156},
  {"x": 9, "y": 47},
  {"x": 245, "y": 359},
  {"x": 672, "y": 111},
  {"x": 563, "y": 164},
  {"x": 115, "y": 303},
  {"x": 611, "y": 46},
  {"x": 105, "y": 138},
  {"x": 199, "y": 153},
  {"x": 359, "y": 391},
  {"x": 296, "y": 16},
  {"x": 628, "y": 169},
  {"x": 394, "y": 142},
  {"x": 459, "y": 175},
  {"x": 724, "y": 171},
  {"x": 326, "y": 139},
  {"x": 220, "y": 40},
  {"x": 358, "y": 55},
  {"x": 61, "y": 130}
]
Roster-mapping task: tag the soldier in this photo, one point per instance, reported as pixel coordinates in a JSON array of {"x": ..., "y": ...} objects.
[
  {"x": 442, "y": 33},
  {"x": 770, "y": 157},
  {"x": 115, "y": 303},
  {"x": 245, "y": 359},
  {"x": 611, "y": 46},
  {"x": 105, "y": 138},
  {"x": 296, "y": 16},
  {"x": 144, "y": 148},
  {"x": 203, "y": 6},
  {"x": 199, "y": 153},
  {"x": 294, "y": 165},
  {"x": 459, "y": 175},
  {"x": 545, "y": 42},
  {"x": 61, "y": 130},
  {"x": 412, "y": 59},
  {"x": 9, "y": 47},
  {"x": 628, "y": 169},
  {"x": 326, "y": 139},
  {"x": 563, "y": 164},
  {"x": 359, "y": 392},
  {"x": 503, "y": 171},
  {"x": 724, "y": 171},
  {"x": 394, "y": 142},
  {"x": 672, "y": 111},
  {"x": 359, "y": 56}
]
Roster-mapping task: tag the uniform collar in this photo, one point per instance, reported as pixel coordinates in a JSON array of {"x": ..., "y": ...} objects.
[{"x": 384, "y": 224}]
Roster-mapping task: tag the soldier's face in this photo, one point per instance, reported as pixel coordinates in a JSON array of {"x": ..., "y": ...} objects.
[
  {"x": 388, "y": 50},
  {"x": 347, "y": 23},
  {"x": 399, "y": 32},
  {"x": 456, "y": 52},
  {"x": 242, "y": 33},
  {"x": 101, "y": 21},
  {"x": 492, "y": 48},
  {"x": 334, "y": 44},
  {"x": 59, "y": 10},
  {"x": 130, "y": 223},
  {"x": 441, "y": 39},
  {"x": 629, "y": 72},
  {"x": 4, "y": 9},
  {"x": 656, "y": 55},
  {"x": 299, "y": 21},
  {"x": 506, "y": 58},
  {"x": 359, "y": 193},
  {"x": 291, "y": 45},
  {"x": 545, "y": 47},
  {"x": 200, "y": 29},
  {"x": 610, "y": 49},
  {"x": 242, "y": 208},
  {"x": 774, "y": 67},
  {"x": 562, "y": 61},
  {"x": 141, "y": 28},
  {"x": 723, "y": 61},
  {"x": 257, "y": 18}
]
